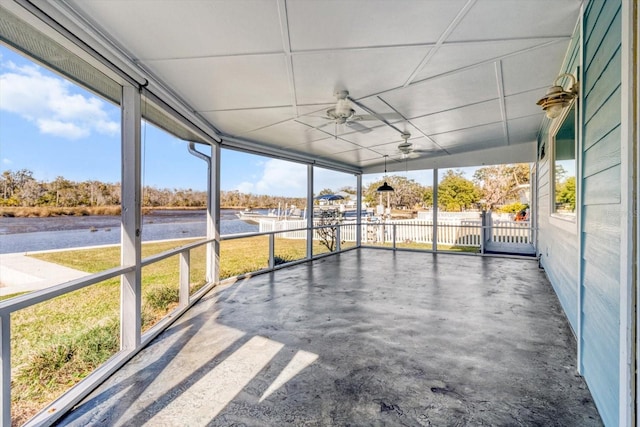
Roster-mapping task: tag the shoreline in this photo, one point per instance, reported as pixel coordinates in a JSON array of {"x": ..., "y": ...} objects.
[{"x": 52, "y": 211}]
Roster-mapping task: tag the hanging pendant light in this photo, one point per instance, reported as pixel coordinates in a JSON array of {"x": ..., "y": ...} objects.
[{"x": 385, "y": 187}]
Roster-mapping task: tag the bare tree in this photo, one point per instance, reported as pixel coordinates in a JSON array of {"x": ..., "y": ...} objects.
[
  {"x": 328, "y": 220},
  {"x": 500, "y": 183},
  {"x": 30, "y": 193}
]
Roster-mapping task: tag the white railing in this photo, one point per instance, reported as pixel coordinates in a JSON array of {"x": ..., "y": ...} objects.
[
  {"x": 511, "y": 232},
  {"x": 298, "y": 228},
  {"x": 458, "y": 232},
  {"x": 451, "y": 232},
  {"x": 428, "y": 215}
]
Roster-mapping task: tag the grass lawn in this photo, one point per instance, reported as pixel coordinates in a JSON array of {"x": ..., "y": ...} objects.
[
  {"x": 2, "y": 297},
  {"x": 56, "y": 343}
]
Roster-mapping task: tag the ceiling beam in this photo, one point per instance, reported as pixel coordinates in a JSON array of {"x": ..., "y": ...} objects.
[
  {"x": 286, "y": 45},
  {"x": 467, "y": 67},
  {"x": 413, "y": 126},
  {"x": 452, "y": 26},
  {"x": 258, "y": 148},
  {"x": 503, "y": 108}
]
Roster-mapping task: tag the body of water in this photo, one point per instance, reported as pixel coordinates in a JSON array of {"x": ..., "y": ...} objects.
[{"x": 37, "y": 234}]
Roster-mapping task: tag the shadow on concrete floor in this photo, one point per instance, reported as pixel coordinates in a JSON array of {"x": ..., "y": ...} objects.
[{"x": 367, "y": 337}]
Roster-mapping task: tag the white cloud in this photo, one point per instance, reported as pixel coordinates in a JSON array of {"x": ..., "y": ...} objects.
[
  {"x": 109, "y": 128},
  {"x": 245, "y": 187},
  {"x": 64, "y": 129},
  {"x": 49, "y": 103},
  {"x": 325, "y": 178},
  {"x": 6, "y": 161},
  {"x": 279, "y": 178},
  {"x": 282, "y": 178}
]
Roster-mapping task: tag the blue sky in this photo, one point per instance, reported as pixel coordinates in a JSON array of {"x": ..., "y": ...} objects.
[{"x": 55, "y": 128}]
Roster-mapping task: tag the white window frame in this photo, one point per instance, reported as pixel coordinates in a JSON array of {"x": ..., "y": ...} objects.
[{"x": 564, "y": 221}]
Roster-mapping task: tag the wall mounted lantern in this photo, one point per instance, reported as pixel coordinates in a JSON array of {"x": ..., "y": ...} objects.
[{"x": 557, "y": 98}]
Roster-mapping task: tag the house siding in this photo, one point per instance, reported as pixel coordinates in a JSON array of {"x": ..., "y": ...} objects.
[
  {"x": 597, "y": 259},
  {"x": 601, "y": 227}
]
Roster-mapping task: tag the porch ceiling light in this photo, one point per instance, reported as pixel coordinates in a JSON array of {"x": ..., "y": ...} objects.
[
  {"x": 557, "y": 98},
  {"x": 384, "y": 188}
]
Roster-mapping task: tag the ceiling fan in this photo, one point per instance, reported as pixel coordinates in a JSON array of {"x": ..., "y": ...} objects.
[
  {"x": 344, "y": 114},
  {"x": 406, "y": 148}
]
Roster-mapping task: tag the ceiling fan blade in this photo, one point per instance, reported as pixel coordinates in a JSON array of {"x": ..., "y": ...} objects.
[
  {"x": 358, "y": 127},
  {"x": 369, "y": 117},
  {"x": 409, "y": 155}
]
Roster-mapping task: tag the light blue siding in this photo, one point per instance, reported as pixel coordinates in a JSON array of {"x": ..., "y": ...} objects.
[
  {"x": 604, "y": 121},
  {"x": 598, "y": 257},
  {"x": 601, "y": 211},
  {"x": 604, "y": 155}
]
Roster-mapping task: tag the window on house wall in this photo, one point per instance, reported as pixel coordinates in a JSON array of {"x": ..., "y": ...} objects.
[{"x": 564, "y": 165}]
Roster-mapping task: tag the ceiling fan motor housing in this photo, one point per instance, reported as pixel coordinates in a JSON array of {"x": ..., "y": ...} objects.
[
  {"x": 343, "y": 109},
  {"x": 405, "y": 147}
]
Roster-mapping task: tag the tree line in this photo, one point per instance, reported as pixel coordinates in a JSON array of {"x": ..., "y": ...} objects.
[
  {"x": 490, "y": 187},
  {"x": 21, "y": 189}
]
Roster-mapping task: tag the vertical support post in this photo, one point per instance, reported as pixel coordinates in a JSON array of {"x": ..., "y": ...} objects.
[
  {"x": 483, "y": 230},
  {"x": 434, "y": 245},
  {"x": 213, "y": 216},
  {"x": 338, "y": 238},
  {"x": 212, "y": 256},
  {"x": 636, "y": 155},
  {"x": 185, "y": 273},
  {"x": 309, "y": 211},
  {"x": 579, "y": 196},
  {"x": 393, "y": 235},
  {"x": 358, "y": 210},
  {"x": 272, "y": 250},
  {"x": 5, "y": 369},
  {"x": 131, "y": 283},
  {"x": 629, "y": 148}
]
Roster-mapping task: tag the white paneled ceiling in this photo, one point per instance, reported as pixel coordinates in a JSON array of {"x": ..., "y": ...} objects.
[{"x": 461, "y": 76}]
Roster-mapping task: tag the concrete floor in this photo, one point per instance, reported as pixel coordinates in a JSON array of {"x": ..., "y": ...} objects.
[{"x": 367, "y": 337}]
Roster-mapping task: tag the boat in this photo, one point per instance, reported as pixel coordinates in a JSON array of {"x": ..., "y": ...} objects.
[{"x": 254, "y": 217}]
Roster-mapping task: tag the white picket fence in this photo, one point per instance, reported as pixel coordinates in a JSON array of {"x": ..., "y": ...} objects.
[
  {"x": 458, "y": 232},
  {"x": 511, "y": 232},
  {"x": 451, "y": 232},
  {"x": 448, "y": 216}
]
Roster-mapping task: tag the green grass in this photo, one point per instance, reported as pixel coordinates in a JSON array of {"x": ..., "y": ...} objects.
[{"x": 3, "y": 297}]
